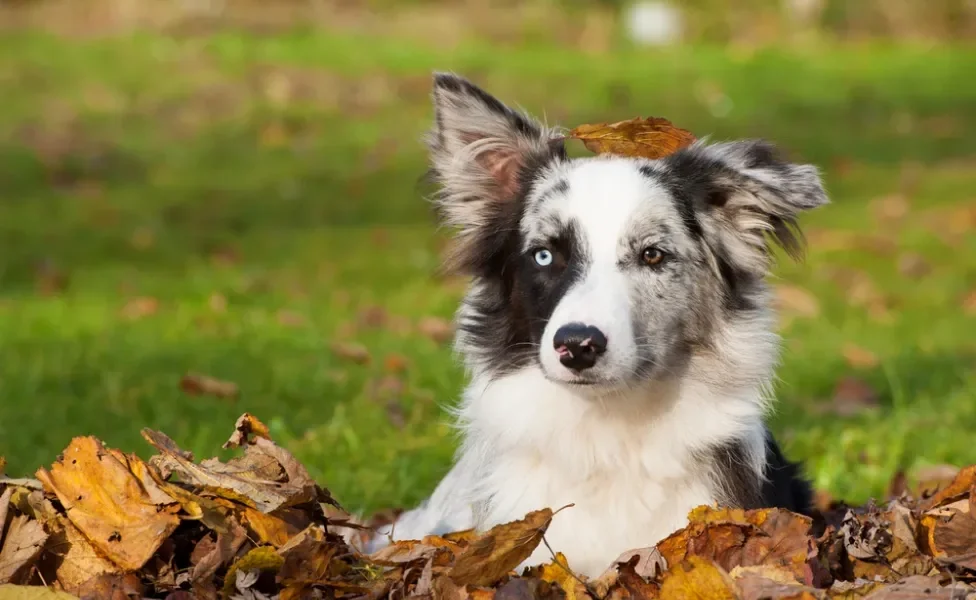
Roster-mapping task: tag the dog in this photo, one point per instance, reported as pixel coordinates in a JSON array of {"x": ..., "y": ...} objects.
[{"x": 617, "y": 330}]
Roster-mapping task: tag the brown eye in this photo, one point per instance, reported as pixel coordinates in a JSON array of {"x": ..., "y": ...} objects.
[{"x": 652, "y": 256}]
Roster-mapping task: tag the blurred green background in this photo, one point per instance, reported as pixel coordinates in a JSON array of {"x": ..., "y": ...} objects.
[{"x": 234, "y": 189}]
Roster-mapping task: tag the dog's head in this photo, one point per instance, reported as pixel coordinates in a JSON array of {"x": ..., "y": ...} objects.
[{"x": 603, "y": 270}]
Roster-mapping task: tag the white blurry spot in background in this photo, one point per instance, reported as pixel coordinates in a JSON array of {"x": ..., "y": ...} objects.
[{"x": 654, "y": 23}]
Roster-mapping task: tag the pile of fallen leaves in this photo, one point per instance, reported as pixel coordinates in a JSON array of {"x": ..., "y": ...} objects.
[{"x": 103, "y": 524}]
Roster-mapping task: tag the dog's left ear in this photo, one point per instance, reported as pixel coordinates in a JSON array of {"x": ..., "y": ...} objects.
[{"x": 749, "y": 193}]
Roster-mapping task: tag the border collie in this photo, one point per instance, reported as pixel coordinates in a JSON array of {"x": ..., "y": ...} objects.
[{"x": 617, "y": 330}]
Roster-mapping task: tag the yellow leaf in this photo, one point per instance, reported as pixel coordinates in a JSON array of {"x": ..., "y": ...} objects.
[
  {"x": 959, "y": 487},
  {"x": 108, "y": 504},
  {"x": 495, "y": 553},
  {"x": 32, "y": 592},
  {"x": 274, "y": 528},
  {"x": 80, "y": 561},
  {"x": 652, "y": 137},
  {"x": 559, "y": 573},
  {"x": 262, "y": 558},
  {"x": 697, "y": 579}
]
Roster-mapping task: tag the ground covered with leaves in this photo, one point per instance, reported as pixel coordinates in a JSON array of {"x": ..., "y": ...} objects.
[{"x": 104, "y": 524}]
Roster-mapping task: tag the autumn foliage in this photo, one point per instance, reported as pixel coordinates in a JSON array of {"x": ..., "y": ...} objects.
[
  {"x": 104, "y": 524},
  {"x": 653, "y": 137}
]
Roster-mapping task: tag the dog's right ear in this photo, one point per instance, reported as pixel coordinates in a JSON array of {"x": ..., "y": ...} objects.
[{"x": 481, "y": 153}]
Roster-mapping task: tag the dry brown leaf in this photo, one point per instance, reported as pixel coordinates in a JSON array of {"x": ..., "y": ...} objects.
[
  {"x": 853, "y": 590},
  {"x": 697, "y": 578},
  {"x": 352, "y": 352},
  {"x": 246, "y": 426},
  {"x": 112, "y": 587},
  {"x": 969, "y": 304},
  {"x": 307, "y": 558},
  {"x": 34, "y": 504},
  {"x": 275, "y": 528},
  {"x": 650, "y": 563},
  {"x": 950, "y": 533},
  {"x": 140, "y": 307},
  {"x": 795, "y": 301},
  {"x": 753, "y": 584},
  {"x": 402, "y": 552},
  {"x": 736, "y": 537},
  {"x": 5, "y": 497},
  {"x": 290, "y": 318},
  {"x": 905, "y": 556},
  {"x": 913, "y": 266},
  {"x": 234, "y": 483},
  {"x": 213, "y": 555},
  {"x": 77, "y": 560},
  {"x": 635, "y": 585},
  {"x": 890, "y": 208},
  {"x": 853, "y": 396},
  {"x": 22, "y": 544},
  {"x": 919, "y": 587},
  {"x": 767, "y": 572},
  {"x": 652, "y": 138},
  {"x": 931, "y": 478},
  {"x": 437, "y": 329},
  {"x": 521, "y": 588},
  {"x": 494, "y": 554},
  {"x": 49, "y": 280},
  {"x": 195, "y": 384},
  {"x": 396, "y": 363},
  {"x": 959, "y": 487},
  {"x": 373, "y": 316},
  {"x": 108, "y": 504},
  {"x": 860, "y": 358}
]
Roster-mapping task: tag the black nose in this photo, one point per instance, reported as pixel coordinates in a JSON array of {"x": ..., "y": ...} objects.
[{"x": 579, "y": 345}]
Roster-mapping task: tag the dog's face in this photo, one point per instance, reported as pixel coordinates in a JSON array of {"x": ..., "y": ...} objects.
[{"x": 603, "y": 271}]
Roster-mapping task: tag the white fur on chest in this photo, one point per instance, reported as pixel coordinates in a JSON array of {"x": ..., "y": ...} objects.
[{"x": 626, "y": 463}]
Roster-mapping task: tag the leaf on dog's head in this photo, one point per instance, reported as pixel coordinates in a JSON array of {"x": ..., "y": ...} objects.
[{"x": 652, "y": 137}]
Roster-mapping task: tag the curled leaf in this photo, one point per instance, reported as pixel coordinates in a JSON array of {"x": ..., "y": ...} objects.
[{"x": 494, "y": 554}]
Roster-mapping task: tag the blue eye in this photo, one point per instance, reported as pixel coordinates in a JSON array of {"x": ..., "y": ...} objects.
[{"x": 543, "y": 257}]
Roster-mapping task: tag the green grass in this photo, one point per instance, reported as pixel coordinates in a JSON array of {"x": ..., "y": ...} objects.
[{"x": 235, "y": 177}]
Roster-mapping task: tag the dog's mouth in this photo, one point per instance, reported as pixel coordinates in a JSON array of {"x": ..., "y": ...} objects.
[
  {"x": 579, "y": 381},
  {"x": 582, "y": 382}
]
